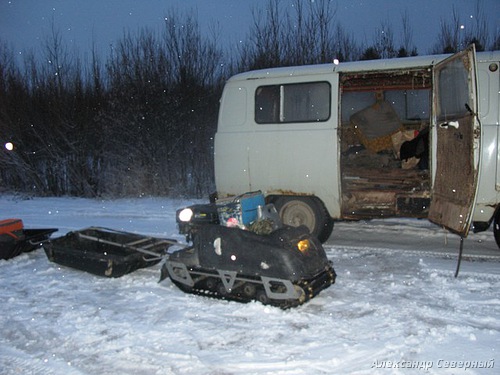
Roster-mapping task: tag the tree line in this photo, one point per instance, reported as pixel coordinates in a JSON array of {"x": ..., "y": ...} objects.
[{"x": 142, "y": 121}]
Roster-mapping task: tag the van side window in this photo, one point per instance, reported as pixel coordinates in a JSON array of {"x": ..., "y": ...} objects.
[{"x": 301, "y": 102}]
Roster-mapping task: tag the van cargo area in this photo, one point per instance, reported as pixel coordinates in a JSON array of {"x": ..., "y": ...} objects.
[{"x": 382, "y": 114}]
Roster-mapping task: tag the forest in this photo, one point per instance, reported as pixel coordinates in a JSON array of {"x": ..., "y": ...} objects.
[{"x": 141, "y": 122}]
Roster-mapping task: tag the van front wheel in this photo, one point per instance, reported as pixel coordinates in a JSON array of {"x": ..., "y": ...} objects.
[{"x": 308, "y": 211}]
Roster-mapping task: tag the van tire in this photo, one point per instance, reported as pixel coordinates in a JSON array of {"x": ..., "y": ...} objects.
[
  {"x": 308, "y": 211},
  {"x": 496, "y": 227}
]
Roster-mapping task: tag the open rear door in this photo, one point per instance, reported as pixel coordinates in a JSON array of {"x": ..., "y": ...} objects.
[{"x": 457, "y": 139}]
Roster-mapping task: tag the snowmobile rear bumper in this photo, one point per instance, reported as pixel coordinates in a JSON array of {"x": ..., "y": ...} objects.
[{"x": 28, "y": 240}]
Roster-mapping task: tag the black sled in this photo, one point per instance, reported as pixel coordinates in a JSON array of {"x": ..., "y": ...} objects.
[
  {"x": 277, "y": 265},
  {"x": 106, "y": 252}
]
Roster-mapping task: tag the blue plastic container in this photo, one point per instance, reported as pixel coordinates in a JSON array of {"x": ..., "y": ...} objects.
[{"x": 240, "y": 210}]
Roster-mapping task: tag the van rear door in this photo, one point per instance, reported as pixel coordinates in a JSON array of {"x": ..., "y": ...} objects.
[{"x": 456, "y": 136}]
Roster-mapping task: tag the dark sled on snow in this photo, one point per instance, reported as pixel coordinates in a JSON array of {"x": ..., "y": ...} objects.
[
  {"x": 106, "y": 252},
  {"x": 14, "y": 239},
  {"x": 266, "y": 261}
]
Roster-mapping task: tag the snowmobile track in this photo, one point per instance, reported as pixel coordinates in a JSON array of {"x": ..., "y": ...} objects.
[{"x": 251, "y": 288}]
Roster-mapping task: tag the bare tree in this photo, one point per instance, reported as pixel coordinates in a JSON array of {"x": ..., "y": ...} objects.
[
  {"x": 162, "y": 110},
  {"x": 456, "y": 35},
  {"x": 264, "y": 45},
  {"x": 346, "y": 47},
  {"x": 496, "y": 41},
  {"x": 324, "y": 14},
  {"x": 56, "y": 57},
  {"x": 478, "y": 33},
  {"x": 407, "y": 47},
  {"x": 280, "y": 37},
  {"x": 449, "y": 35},
  {"x": 308, "y": 34},
  {"x": 384, "y": 41},
  {"x": 192, "y": 54}
]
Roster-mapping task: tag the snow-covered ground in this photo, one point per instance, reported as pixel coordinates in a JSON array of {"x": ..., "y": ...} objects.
[{"x": 395, "y": 305}]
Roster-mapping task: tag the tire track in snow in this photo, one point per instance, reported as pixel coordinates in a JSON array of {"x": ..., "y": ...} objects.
[
  {"x": 16, "y": 362},
  {"x": 425, "y": 253}
]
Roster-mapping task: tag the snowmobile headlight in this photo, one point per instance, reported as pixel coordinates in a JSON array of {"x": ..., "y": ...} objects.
[
  {"x": 186, "y": 215},
  {"x": 303, "y": 245}
]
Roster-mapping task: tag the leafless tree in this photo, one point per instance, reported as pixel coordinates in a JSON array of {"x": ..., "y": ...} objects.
[
  {"x": 346, "y": 48},
  {"x": 384, "y": 41},
  {"x": 478, "y": 32},
  {"x": 264, "y": 47},
  {"x": 280, "y": 37},
  {"x": 449, "y": 39},
  {"x": 308, "y": 33},
  {"x": 407, "y": 47},
  {"x": 456, "y": 35},
  {"x": 496, "y": 41}
]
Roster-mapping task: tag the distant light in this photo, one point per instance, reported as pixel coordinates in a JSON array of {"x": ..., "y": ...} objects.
[
  {"x": 9, "y": 146},
  {"x": 336, "y": 61}
]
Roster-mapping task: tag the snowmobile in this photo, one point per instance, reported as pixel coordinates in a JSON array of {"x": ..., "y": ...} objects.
[
  {"x": 241, "y": 251},
  {"x": 15, "y": 239}
]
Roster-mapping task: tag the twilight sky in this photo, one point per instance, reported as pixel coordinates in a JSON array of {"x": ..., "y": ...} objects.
[{"x": 26, "y": 24}]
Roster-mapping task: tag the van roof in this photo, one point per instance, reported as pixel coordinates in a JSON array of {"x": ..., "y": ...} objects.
[{"x": 365, "y": 65}]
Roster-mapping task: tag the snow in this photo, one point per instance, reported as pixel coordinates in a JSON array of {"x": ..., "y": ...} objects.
[{"x": 395, "y": 308}]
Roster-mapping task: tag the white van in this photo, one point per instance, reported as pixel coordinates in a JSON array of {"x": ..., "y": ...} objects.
[{"x": 409, "y": 137}]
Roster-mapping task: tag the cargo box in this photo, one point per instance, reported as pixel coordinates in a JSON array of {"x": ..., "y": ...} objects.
[
  {"x": 240, "y": 210},
  {"x": 106, "y": 252}
]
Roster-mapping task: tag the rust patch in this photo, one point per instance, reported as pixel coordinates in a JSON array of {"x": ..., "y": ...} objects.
[{"x": 286, "y": 192}]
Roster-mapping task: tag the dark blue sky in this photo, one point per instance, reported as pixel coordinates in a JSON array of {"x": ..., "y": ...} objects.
[{"x": 25, "y": 24}]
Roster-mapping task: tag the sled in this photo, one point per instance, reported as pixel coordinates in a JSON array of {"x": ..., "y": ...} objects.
[
  {"x": 106, "y": 252},
  {"x": 14, "y": 239}
]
